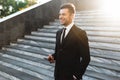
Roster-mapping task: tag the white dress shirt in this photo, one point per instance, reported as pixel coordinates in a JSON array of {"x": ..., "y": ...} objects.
[{"x": 67, "y": 30}]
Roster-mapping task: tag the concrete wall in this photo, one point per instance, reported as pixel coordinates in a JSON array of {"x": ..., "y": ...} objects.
[{"x": 17, "y": 26}]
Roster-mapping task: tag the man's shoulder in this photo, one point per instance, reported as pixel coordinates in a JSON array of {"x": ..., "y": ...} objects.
[{"x": 78, "y": 29}]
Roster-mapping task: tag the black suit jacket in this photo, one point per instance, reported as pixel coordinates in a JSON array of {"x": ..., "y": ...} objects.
[{"x": 72, "y": 56}]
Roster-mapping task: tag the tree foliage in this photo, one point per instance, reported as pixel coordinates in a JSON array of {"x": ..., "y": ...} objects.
[{"x": 8, "y": 7}]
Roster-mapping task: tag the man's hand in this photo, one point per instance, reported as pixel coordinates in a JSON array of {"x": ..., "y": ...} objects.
[{"x": 51, "y": 59}]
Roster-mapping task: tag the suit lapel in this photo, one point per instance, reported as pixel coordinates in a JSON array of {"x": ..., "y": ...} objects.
[
  {"x": 59, "y": 37},
  {"x": 69, "y": 35}
]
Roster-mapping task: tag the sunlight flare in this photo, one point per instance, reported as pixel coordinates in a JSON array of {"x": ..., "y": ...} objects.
[{"x": 111, "y": 8}]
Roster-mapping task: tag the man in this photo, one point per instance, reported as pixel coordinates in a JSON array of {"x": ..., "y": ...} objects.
[{"x": 71, "y": 55}]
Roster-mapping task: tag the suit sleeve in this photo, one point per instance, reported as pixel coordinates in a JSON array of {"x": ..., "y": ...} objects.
[
  {"x": 84, "y": 54},
  {"x": 54, "y": 54}
]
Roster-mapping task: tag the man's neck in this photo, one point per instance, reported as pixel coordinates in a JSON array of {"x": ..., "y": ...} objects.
[{"x": 65, "y": 26}]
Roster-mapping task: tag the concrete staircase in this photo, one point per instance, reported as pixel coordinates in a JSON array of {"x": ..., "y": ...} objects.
[{"x": 26, "y": 59}]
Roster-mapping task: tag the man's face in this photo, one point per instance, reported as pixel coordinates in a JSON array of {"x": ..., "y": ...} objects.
[{"x": 65, "y": 17}]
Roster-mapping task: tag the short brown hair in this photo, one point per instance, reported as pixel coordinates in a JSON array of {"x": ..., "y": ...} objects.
[{"x": 69, "y": 6}]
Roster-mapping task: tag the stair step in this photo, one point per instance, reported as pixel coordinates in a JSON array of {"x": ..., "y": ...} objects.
[
  {"x": 116, "y": 57},
  {"x": 111, "y": 57},
  {"x": 115, "y": 47},
  {"x": 90, "y": 23},
  {"x": 90, "y": 12},
  {"x": 27, "y": 61},
  {"x": 39, "y": 44},
  {"x": 103, "y": 18},
  {"x": 46, "y": 74},
  {"x": 24, "y": 52},
  {"x": 101, "y": 39},
  {"x": 88, "y": 28},
  {"x": 47, "y": 30},
  {"x": 13, "y": 53},
  {"x": 88, "y": 78},
  {"x": 106, "y": 66},
  {"x": 33, "y": 55},
  {"x": 105, "y": 54},
  {"x": 51, "y": 35},
  {"x": 103, "y": 33},
  {"x": 26, "y": 66},
  {"x": 30, "y": 37},
  {"x": 90, "y": 32},
  {"x": 16, "y": 71},
  {"x": 93, "y": 24},
  {"x": 101, "y": 76},
  {"x": 38, "y": 51},
  {"x": 92, "y": 38},
  {"x": 105, "y": 46},
  {"x": 96, "y": 19},
  {"x": 5, "y": 76}
]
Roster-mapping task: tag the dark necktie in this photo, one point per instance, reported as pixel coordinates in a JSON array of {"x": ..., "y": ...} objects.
[{"x": 63, "y": 36}]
